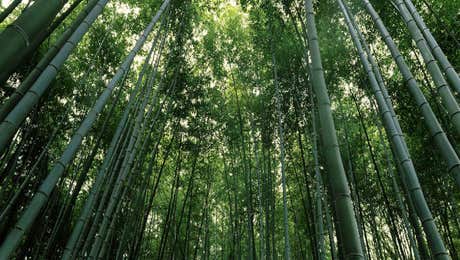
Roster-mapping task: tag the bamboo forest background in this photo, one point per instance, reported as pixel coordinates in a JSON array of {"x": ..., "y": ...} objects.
[{"x": 251, "y": 129}]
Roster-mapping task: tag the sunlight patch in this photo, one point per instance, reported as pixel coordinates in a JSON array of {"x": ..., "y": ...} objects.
[
  {"x": 5, "y": 3},
  {"x": 125, "y": 9}
]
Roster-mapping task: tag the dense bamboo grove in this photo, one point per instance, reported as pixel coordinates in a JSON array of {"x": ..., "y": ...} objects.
[{"x": 269, "y": 129}]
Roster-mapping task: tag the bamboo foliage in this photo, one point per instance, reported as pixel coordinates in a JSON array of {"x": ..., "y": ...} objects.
[{"x": 214, "y": 135}]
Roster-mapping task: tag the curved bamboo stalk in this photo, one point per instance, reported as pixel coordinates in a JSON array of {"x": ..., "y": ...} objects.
[
  {"x": 355, "y": 188},
  {"x": 248, "y": 179},
  {"x": 390, "y": 219},
  {"x": 25, "y": 85},
  {"x": 121, "y": 127},
  {"x": 444, "y": 92},
  {"x": 36, "y": 42},
  {"x": 255, "y": 148},
  {"x": 348, "y": 228},
  {"x": 441, "y": 22},
  {"x": 143, "y": 217},
  {"x": 130, "y": 155},
  {"x": 97, "y": 201},
  {"x": 318, "y": 185},
  {"x": 67, "y": 209},
  {"x": 436, "y": 131},
  {"x": 415, "y": 192},
  {"x": 451, "y": 74},
  {"x": 31, "y": 172},
  {"x": 100, "y": 180},
  {"x": 120, "y": 184},
  {"x": 22, "y": 32},
  {"x": 13, "y": 121},
  {"x": 41, "y": 197},
  {"x": 278, "y": 97},
  {"x": 395, "y": 188},
  {"x": 9, "y": 9},
  {"x": 317, "y": 218}
]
